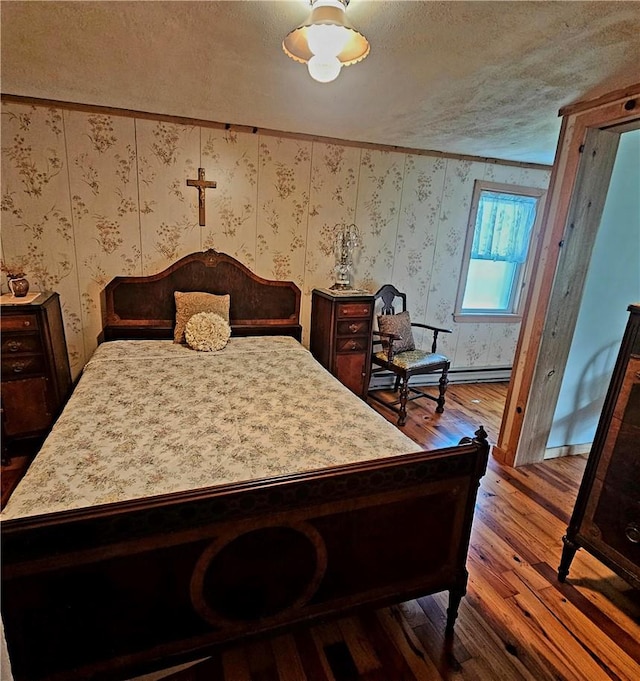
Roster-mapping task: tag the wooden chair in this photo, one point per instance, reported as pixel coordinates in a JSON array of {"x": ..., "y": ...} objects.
[{"x": 399, "y": 356}]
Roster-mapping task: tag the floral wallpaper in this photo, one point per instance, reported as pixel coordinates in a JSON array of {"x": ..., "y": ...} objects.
[{"x": 87, "y": 196}]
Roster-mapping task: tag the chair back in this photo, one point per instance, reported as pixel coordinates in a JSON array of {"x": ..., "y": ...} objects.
[{"x": 388, "y": 294}]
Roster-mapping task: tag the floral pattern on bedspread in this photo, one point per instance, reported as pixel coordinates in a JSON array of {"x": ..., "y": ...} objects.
[{"x": 153, "y": 417}]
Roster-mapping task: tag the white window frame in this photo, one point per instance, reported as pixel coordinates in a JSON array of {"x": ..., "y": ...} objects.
[{"x": 523, "y": 278}]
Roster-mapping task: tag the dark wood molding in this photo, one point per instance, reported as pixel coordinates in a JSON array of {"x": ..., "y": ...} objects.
[{"x": 183, "y": 120}]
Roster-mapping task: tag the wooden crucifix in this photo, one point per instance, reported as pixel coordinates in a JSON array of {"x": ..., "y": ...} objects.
[{"x": 201, "y": 184}]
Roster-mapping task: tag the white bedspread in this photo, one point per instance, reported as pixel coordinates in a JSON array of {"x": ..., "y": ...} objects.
[{"x": 153, "y": 417}]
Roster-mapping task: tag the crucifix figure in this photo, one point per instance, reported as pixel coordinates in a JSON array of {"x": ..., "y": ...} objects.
[{"x": 201, "y": 184}]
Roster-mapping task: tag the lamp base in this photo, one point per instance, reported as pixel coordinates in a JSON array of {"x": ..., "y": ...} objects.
[{"x": 340, "y": 287}]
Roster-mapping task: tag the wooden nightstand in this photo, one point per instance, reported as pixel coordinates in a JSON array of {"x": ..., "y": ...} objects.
[
  {"x": 36, "y": 379},
  {"x": 341, "y": 326}
]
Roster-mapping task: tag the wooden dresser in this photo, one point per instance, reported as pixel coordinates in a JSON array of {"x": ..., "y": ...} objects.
[
  {"x": 341, "y": 329},
  {"x": 606, "y": 517},
  {"x": 36, "y": 379}
]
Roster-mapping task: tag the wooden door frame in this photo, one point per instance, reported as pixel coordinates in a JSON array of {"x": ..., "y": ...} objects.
[{"x": 578, "y": 188}]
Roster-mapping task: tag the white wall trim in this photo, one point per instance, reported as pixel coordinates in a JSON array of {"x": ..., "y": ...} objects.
[
  {"x": 567, "y": 450},
  {"x": 463, "y": 375}
]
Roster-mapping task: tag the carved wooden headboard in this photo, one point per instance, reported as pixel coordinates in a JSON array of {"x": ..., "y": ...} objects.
[{"x": 144, "y": 307}]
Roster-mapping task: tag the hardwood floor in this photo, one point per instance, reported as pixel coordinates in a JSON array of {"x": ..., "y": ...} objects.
[
  {"x": 516, "y": 621},
  {"x": 12, "y": 471}
]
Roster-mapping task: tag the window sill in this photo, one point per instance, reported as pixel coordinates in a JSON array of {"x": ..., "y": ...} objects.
[{"x": 486, "y": 318}]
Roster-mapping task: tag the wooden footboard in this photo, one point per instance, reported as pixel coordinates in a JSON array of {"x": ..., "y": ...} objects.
[{"x": 113, "y": 591}]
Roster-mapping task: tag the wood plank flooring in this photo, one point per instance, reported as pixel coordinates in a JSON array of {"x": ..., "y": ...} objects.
[
  {"x": 12, "y": 471},
  {"x": 516, "y": 621}
]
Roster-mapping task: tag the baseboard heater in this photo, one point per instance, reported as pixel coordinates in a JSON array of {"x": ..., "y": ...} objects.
[{"x": 476, "y": 375}]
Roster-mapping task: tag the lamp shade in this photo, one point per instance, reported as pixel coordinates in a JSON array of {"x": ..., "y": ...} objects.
[{"x": 326, "y": 36}]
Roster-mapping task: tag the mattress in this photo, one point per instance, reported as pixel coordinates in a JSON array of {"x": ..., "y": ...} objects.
[{"x": 149, "y": 418}]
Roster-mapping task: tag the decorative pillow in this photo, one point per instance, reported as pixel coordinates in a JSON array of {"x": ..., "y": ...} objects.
[
  {"x": 188, "y": 304},
  {"x": 400, "y": 324},
  {"x": 207, "y": 332}
]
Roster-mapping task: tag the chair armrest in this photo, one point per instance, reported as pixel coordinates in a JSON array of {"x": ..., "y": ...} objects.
[
  {"x": 436, "y": 330},
  {"x": 432, "y": 328},
  {"x": 391, "y": 337},
  {"x": 385, "y": 334}
]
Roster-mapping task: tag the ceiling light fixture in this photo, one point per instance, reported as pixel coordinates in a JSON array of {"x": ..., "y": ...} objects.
[{"x": 326, "y": 41}]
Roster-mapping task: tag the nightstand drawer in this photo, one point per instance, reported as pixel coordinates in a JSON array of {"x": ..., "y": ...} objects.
[
  {"x": 24, "y": 365},
  {"x": 353, "y": 328},
  {"x": 19, "y": 322},
  {"x": 354, "y": 310},
  {"x": 357, "y": 344},
  {"x": 20, "y": 342}
]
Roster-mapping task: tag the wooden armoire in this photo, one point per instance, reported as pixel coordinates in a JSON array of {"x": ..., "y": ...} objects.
[{"x": 606, "y": 517}]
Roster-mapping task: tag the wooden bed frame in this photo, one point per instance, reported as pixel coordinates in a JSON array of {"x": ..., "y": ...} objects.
[
  {"x": 144, "y": 307},
  {"x": 112, "y": 591}
]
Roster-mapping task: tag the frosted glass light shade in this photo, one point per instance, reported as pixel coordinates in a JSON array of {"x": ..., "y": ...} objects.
[
  {"x": 327, "y": 33},
  {"x": 327, "y": 39},
  {"x": 324, "y": 69}
]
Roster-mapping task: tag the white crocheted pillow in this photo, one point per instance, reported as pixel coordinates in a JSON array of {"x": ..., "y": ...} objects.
[{"x": 207, "y": 332}]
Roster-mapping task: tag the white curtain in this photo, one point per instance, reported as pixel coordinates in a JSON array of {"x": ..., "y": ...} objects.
[{"x": 503, "y": 227}]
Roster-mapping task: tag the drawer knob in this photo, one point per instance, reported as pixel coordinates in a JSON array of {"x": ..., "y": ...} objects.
[
  {"x": 18, "y": 367},
  {"x": 632, "y": 532},
  {"x": 353, "y": 327},
  {"x": 26, "y": 323},
  {"x": 354, "y": 345},
  {"x": 14, "y": 346}
]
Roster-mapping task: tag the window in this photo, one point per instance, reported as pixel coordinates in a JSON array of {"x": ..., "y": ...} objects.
[{"x": 502, "y": 223}]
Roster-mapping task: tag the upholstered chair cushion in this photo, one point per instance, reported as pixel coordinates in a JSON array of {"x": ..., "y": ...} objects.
[
  {"x": 188, "y": 304},
  {"x": 414, "y": 359},
  {"x": 400, "y": 324}
]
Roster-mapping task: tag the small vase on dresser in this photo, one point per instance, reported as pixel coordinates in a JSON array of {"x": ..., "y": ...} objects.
[{"x": 19, "y": 286}]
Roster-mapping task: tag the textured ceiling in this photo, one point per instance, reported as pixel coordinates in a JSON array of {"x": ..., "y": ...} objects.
[{"x": 477, "y": 78}]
